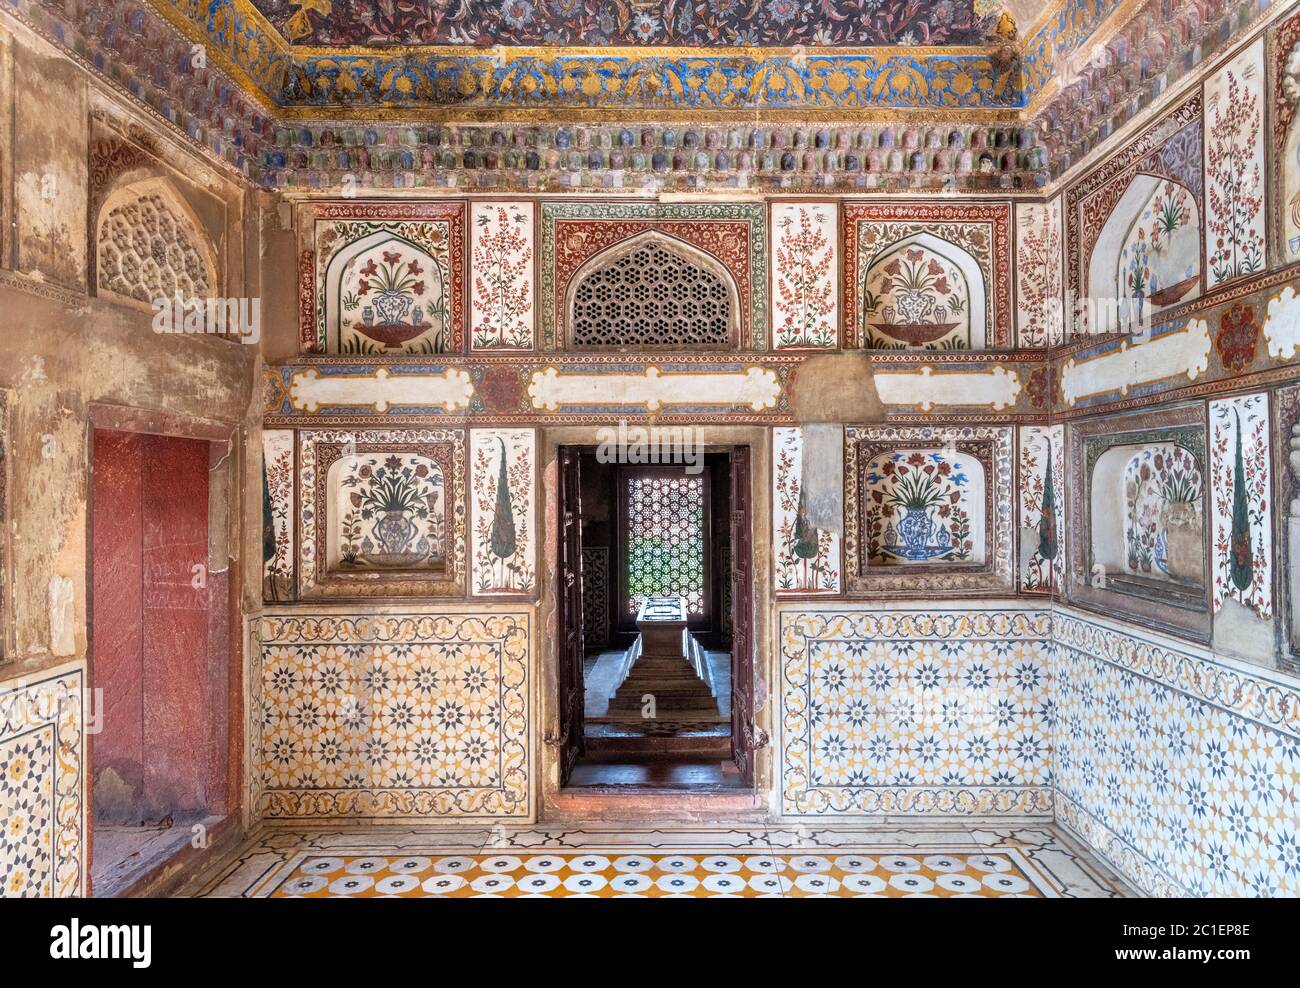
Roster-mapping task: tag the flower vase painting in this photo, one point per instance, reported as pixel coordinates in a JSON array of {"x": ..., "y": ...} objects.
[
  {"x": 388, "y": 288},
  {"x": 1163, "y": 526},
  {"x": 917, "y": 298},
  {"x": 1159, "y": 262},
  {"x": 924, "y": 506},
  {"x": 389, "y": 513}
]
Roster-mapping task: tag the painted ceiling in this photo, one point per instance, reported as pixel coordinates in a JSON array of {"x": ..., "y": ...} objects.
[
  {"x": 629, "y": 22},
  {"x": 564, "y": 60}
]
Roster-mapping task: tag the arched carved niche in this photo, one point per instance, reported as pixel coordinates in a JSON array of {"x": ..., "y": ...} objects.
[
  {"x": 149, "y": 244},
  {"x": 652, "y": 290}
]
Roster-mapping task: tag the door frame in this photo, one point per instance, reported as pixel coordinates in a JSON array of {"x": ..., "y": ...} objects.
[
  {"x": 556, "y": 803},
  {"x": 226, "y": 638}
]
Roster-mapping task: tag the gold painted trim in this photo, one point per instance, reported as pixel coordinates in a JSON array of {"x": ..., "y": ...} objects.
[
  {"x": 195, "y": 34},
  {"x": 650, "y": 116},
  {"x": 753, "y": 53}
]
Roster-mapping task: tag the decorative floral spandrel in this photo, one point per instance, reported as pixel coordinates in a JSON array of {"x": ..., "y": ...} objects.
[
  {"x": 1241, "y": 503},
  {"x": 392, "y": 513},
  {"x": 503, "y": 499},
  {"x": 501, "y": 260},
  {"x": 805, "y": 309},
  {"x": 807, "y": 557},
  {"x": 919, "y": 509},
  {"x": 1163, "y": 527},
  {"x": 916, "y": 298}
]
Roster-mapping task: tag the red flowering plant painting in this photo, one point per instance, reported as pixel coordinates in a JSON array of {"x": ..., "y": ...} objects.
[
  {"x": 1241, "y": 507},
  {"x": 804, "y": 272},
  {"x": 501, "y": 261},
  {"x": 1234, "y": 173},
  {"x": 1038, "y": 274}
]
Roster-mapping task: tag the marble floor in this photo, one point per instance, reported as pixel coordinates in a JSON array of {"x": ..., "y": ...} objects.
[{"x": 600, "y": 860}]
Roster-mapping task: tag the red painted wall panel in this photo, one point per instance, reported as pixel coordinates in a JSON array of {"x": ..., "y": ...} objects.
[
  {"x": 116, "y": 624},
  {"x": 175, "y": 616}
]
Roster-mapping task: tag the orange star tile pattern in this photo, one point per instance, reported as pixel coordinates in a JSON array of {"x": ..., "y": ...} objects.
[{"x": 657, "y": 875}]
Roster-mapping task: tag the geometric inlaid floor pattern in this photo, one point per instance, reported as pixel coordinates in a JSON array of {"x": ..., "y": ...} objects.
[{"x": 692, "y": 862}]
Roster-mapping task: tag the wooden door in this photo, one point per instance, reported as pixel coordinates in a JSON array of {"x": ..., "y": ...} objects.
[
  {"x": 745, "y": 738},
  {"x": 568, "y": 615}
]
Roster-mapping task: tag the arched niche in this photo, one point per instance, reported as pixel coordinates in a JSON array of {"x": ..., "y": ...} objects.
[
  {"x": 1147, "y": 256},
  {"x": 652, "y": 290},
  {"x": 924, "y": 293},
  {"x": 150, "y": 245},
  {"x": 385, "y": 293},
  {"x": 1146, "y": 513}
]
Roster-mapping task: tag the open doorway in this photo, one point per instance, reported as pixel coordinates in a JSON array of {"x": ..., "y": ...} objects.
[
  {"x": 159, "y": 764},
  {"x": 655, "y": 612}
]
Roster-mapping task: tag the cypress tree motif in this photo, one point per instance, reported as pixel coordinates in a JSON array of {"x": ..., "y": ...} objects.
[
  {"x": 268, "y": 522},
  {"x": 503, "y": 541},
  {"x": 806, "y": 541},
  {"x": 1241, "y": 563},
  {"x": 1047, "y": 546}
]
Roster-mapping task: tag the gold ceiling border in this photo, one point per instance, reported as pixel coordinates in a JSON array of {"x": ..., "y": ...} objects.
[{"x": 249, "y": 48}]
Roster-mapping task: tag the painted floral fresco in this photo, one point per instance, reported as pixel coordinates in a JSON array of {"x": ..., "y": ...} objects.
[
  {"x": 1286, "y": 124},
  {"x": 805, "y": 275},
  {"x": 1241, "y": 506},
  {"x": 1158, "y": 262},
  {"x": 381, "y": 513},
  {"x": 382, "y": 277},
  {"x": 1110, "y": 206},
  {"x": 916, "y": 297},
  {"x": 277, "y": 514},
  {"x": 1163, "y": 527},
  {"x": 1042, "y": 508},
  {"x": 502, "y": 313},
  {"x": 921, "y": 508},
  {"x": 502, "y": 499},
  {"x": 957, "y": 294},
  {"x": 1040, "y": 303},
  {"x": 807, "y": 558},
  {"x": 590, "y": 22},
  {"x": 389, "y": 512},
  {"x": 1234, "y": 168}
]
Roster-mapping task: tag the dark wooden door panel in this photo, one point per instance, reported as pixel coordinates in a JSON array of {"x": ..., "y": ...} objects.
[
  {"x": 744, "y": 737},
  {"x": 568, "y": 617}
]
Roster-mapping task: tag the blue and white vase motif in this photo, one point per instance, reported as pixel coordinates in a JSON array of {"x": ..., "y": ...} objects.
[{"x": 915, "y": 528}]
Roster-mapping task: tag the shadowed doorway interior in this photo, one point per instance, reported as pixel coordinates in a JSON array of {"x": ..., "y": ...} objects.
[{"x": 653, "y": 541}]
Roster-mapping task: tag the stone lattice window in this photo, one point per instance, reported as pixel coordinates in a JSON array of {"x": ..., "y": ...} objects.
[
  {"x": 665, "y": 540},
  {"x": 653, "y": 294},
  {"x": 149, "y": 247}
]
